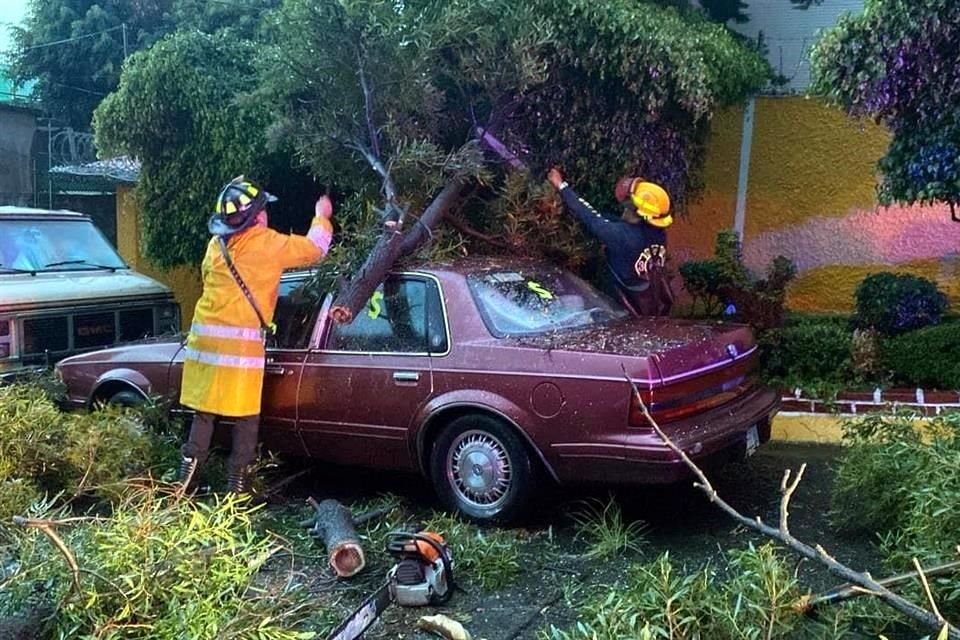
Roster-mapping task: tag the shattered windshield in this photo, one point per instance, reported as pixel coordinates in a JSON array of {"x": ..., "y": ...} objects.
[
  {"x": 525, "y": 302},
  {"x": 54, "y": 245}
]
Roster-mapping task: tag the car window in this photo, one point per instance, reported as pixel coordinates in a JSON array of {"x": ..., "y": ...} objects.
[
  {"x": 404, "y": 315},
  {"x": 49, "y": 245},
  {"x": 517, "y": 302},
  {"x": 295, "y": 316}
]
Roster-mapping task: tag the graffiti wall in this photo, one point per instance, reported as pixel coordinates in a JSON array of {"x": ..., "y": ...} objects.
[{"x": 810, "y": 197}]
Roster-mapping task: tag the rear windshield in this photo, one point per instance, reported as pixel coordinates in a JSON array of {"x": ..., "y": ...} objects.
[
  {"x": 54, "y": 245},
  {"x": 526, "y": 302}
]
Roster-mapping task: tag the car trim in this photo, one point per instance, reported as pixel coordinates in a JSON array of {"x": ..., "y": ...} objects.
[
  {"x": 709, "y": 367},
  {"x": 567, "y": 376},
  {"x": 446, "y": 327}
]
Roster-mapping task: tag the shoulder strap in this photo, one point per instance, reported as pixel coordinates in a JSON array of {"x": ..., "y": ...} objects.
[{"x": 265, "y": 327}]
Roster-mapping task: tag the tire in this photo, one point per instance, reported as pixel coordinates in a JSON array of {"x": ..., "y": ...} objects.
[
  {"x": 481, "y": 468},
  {"x": 127, "y": 398}
]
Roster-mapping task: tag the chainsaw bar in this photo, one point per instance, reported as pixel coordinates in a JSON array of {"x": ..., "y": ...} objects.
[{"x": 364, "y": 616}]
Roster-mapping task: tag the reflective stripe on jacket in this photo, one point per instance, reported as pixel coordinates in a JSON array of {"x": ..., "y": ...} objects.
[{"x": 224, "y": 356}]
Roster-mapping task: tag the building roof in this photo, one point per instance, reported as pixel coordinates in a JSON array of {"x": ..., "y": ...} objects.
[{"x": 119, "y": 169}]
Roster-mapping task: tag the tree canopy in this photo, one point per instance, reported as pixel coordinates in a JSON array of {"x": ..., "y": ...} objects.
[
  {"x": 386, "y": 102},
  {"x": 75, "y": 48},
  {"x": 899, "y": 64}
]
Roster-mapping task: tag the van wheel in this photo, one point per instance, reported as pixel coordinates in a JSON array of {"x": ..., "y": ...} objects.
[
  {"x": 482, "y": 469},
  {"x": 127, "y": 398}
]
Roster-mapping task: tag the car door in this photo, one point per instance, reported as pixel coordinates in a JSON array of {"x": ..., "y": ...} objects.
[
  {"x": 295, "y": 317},
  {"x": 362, "y": 391}
]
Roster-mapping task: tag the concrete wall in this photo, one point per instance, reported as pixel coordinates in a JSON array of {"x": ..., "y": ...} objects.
[
  {"x": 810, "y": 195},
  {"x": 185, "y": 282},
  {"x": 17, "y": 126}
]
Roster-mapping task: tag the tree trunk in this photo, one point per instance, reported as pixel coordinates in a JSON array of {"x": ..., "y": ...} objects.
[
  {"x": 335, "y": 526},
  {"x": 390, "y": 247}
]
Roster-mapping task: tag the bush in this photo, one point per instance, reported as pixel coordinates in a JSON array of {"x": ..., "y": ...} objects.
[
  {"x": 702, "y": 279},
  {"x": 165, "y": 567},
  {"x": 751, "y": 597},
  {"x": 905, "y": 488},
  {"x": 727, "y": 280},
  {"x": 809, "y": 354},
  {"x": 43, "y": 450},
  {"x": 893, "y": 303},
  {"x": 928, "y": 357}
]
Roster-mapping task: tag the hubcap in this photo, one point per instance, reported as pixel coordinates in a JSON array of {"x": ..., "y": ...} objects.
[{"x": 478, "y": 469}]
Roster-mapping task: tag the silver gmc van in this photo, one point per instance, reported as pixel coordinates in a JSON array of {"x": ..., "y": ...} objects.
[{"x": 65, "y": 290}]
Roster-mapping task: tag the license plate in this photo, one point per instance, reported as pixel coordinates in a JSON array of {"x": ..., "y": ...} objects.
[{"x": 753, "y": 440}]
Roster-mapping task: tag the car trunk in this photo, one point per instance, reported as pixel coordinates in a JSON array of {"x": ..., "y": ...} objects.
[{"x": 700, "y": 365}]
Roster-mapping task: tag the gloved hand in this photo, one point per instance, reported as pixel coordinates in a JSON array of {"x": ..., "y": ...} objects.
[{"x": 324, "y": 207}]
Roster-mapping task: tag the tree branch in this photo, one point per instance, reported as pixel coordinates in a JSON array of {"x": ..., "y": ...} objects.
[
  {"x": 782, "y": 535},
  {"x": 368, "y": 104},
  {"x": 46, "y": 526},
  {"x": 461, "y": 226}
]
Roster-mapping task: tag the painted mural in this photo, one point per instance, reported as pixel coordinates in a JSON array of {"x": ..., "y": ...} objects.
[{"x": 810, "y": 197}]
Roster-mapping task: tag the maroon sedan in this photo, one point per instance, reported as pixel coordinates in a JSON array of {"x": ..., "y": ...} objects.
[{"x": 483, "y": 376}]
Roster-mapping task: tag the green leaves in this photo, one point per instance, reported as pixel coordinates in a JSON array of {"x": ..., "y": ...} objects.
[{"x": 897, "y": 63}]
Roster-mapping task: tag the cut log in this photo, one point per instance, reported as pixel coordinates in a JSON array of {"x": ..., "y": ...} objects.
[
  {"x": 390, "y": 247},
  {"x": 334, "y": 525}
]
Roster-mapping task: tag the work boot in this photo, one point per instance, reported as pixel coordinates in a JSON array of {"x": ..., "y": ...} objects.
[
  {"x": 189, "y": 470},
  {"x": 239, "y": 481}
]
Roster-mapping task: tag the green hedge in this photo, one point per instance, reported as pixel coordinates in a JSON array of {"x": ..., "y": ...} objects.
[
  {"x": 927, "y": 357},
  {"x": 809, "y": 352}
]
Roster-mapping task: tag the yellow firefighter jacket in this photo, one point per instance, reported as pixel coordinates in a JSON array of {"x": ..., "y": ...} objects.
[{"x": 224, "y": 359}]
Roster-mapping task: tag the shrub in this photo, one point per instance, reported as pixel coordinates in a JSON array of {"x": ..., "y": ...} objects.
[
  {"x": 165, "y": 567},
  {"x": 905, "y": 488},
  {"x": 726, "y": 279},
  {"x": 752, "y": 596},
  {"x": 893, "y": 303},
  {"x": 809, "y": 354},
  {"x": 927, "y": 357},
  {"x": 45, "y": 450},
  {"x": 702, "y": 280}
]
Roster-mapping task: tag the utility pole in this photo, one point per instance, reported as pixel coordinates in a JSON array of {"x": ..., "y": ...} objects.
[{"x": 123, "y": 28}]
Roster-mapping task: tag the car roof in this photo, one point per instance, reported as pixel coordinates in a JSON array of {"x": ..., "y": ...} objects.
[{"x": 29, "y": 213}]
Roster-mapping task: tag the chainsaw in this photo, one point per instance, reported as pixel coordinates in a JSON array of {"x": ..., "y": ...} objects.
[{"x": 422, "y": 576}]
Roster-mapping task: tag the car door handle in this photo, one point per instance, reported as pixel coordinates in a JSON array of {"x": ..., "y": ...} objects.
[
  {"x": 277, "y": 370},
  {"x": 406, "y": 376}
]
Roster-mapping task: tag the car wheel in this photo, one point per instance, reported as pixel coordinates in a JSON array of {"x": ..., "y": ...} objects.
[
  {"x": 482, "y": 469},
  {"x": 127, "y": 398}
]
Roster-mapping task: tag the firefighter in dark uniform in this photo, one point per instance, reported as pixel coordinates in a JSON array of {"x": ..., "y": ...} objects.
[{"x": 635, "y": 244}]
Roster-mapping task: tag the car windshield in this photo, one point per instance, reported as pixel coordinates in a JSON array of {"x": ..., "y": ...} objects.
[
  {"x": 516, "y": 302},
  {"x": 54, "y": 245}
]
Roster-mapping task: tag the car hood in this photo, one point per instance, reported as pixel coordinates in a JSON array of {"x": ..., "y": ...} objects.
[
  {"x": 24, "y": 291},
  {"x": 689, "y": 344},
  {"x": 150, "y": 350}
]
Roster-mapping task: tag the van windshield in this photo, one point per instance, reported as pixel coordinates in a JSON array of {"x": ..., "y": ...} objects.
[{"x": 54, "y": 245}]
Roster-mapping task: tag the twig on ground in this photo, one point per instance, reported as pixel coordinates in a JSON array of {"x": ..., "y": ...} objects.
[
  {"x": 926, "y": 590},
  {"x": 816, "y": 552}
]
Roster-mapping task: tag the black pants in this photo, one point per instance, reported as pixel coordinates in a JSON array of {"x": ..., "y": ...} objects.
[{"x": 243, "y": 453}]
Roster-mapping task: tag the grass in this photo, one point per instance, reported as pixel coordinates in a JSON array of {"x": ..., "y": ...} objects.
[{"x": 601, "y": 525}]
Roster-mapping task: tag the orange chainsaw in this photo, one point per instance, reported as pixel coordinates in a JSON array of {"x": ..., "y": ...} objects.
[{"x": 422, "y": 576}]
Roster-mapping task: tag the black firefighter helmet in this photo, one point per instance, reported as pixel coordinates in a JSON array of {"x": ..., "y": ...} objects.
[{"x": 237, "y": 207}]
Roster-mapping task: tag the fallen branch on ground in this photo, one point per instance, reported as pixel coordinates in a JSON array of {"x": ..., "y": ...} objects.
[
  {"x": 929, "y": 619},
  {"x": 848, "y": 591}
]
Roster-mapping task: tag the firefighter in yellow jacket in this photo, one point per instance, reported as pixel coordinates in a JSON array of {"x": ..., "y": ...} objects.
[{"x": 224, "y": 360}]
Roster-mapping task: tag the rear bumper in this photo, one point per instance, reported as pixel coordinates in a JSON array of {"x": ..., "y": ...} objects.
[{"x": 640, "y": 456}]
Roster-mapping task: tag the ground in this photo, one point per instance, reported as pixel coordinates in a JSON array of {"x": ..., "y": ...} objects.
[{"x": 554, "y": 574}]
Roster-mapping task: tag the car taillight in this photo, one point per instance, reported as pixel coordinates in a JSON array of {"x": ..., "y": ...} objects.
[
  {"x": 636, "y": 418},
  {"x": 665, "y": 407}
]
